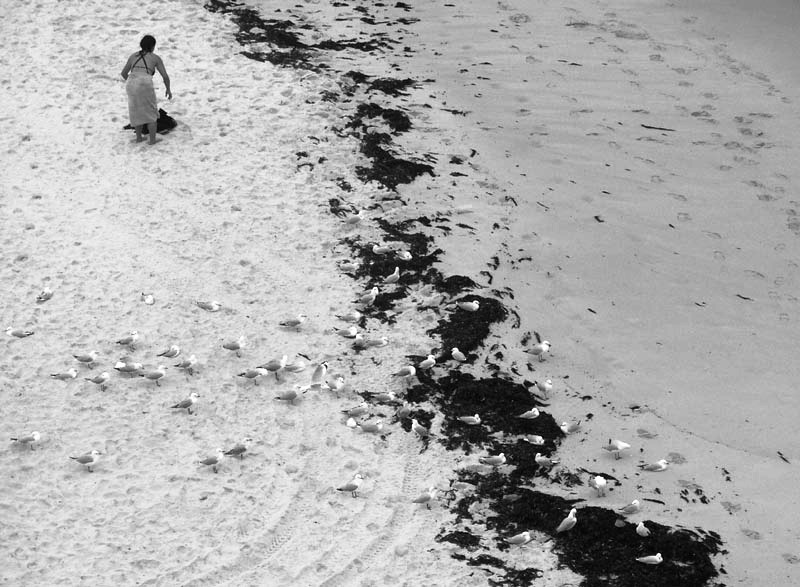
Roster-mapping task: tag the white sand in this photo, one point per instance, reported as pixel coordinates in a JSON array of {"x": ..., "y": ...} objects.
[{"x": 219, "y": 210}]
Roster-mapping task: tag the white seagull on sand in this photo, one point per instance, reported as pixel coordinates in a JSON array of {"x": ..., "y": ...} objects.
[
  {"x": 45, "y": 295},
  {"x": 319, "y": 374},
  {"x": 214, "y": 461},
  {"x": 539, "y": 349},
  {"x": 188, "y": 403},
  {"x": 148, "y": 298},
  {"x": 100, "y": 380},
  {"x": 87, "y": 358},
  {"x": 295, "y": 322},
  {"x": 469, "y": 306},
  {"x": 287, "y": 396},
  {"x": 275, "y": 365},
  {"x": 570, "y": 427},
  {"x": 494, "y": 460},
  {"x": 27, "y": 439},
  {"x": 429, "y": 362},
  {"x": 404, "y": 255},
  {"x": 659, "y": 465},
  {"x": 187, "y": 364},
  {"x": 377, "y": 342},
  {"x": 394, "y": 277},
  {"x": 295, "y": 366},
  {"x": 88, "y": 460},
  {"x": 254, "y": 374},
  {"x": 352, "y": 485},
  {"x": 642, "y": 530},
  {"x": 407, "y": 371},
  {"x": 569, "y": 522},
  {"x": 239, "y": 448},
  {"x": 209, "y": 306},
  {"x": 631, "y": 508},
  {"x": 520, "y": 539},
  {"x": 349, "y": 266},
  {"x": 534, "y": 439},
  {"x": 349, "y": 332},
  {"x": 155, "y": 374},
  {"x": 458, "y": 355},
  {"x": 357, "y": 411},
  {"x": 653, "y": 559},
  {"x": 351, "y": 316},
  {"x": 70, "y": 373},
  {"x": 426, "y": 497},
  {"x": 130, "y": 339},
  {"x": 170, "y": 353},
  {"x": 531, "y": 414},
  {"x": 369, "y": 298},
  {"x": 126, "y": 366},
  {"x": 235, "y": 345},
  {"x": 18, "y": 332},
  {"x": 598, "y": 482},
  {"x": 615, "y": 447},
  {"x": 545, "y": 386},
  {"x": 470, "y": 420},
  {"x": 419, "y": 429},
  {"x": 371, "y": 427},
  {"x": 381, "y": 249}
]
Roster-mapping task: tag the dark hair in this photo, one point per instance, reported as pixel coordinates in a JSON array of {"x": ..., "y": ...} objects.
[{"x": 148, "y": 43}]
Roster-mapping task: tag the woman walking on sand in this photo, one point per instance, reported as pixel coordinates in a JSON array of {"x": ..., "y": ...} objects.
[{"x": 138, "y": 73}]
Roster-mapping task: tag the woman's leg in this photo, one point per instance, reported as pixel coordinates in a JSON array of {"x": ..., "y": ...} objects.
[
  {"x": 138, "y": 130},
  {"x": 152, "y": 126}
]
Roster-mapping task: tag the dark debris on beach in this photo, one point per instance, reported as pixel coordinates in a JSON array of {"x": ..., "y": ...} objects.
[{"x": 604, "y": 547}]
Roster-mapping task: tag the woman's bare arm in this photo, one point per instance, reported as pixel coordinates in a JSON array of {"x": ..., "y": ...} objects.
[
  {"x": 126, "y": 70},
  {"x": 163, "y": 71}
]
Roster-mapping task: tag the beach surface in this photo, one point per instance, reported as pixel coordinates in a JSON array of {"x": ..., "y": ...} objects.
[{"x": 619, "y": 175}]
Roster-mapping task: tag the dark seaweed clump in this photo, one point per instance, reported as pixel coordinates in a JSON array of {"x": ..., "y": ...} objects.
[{"x": 603, "y": 548}]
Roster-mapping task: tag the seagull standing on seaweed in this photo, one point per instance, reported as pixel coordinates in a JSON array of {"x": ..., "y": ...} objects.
[{"x": 541, "y": 347}]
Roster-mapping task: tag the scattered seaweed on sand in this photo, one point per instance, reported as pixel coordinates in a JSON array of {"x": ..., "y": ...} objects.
[{"x": 603, "y": 547}]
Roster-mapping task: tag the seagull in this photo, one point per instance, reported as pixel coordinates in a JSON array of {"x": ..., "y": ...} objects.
[
  {"x": 187, "y": 364},
  {"x": 371, "y": 427},
  {"x": 148, "y": 298},
  {"x": 381, "y": 249},
  {"x": 349, "y": 266},
  {"x": 471, "y": 420},
  {"x": 403, "y": 412},
  {"x": 70, "y": 373},
  {"x": 287, "y": 396},
  {"x": 359, "y": 342},
  {"x": 188, "y": 403},
  {"x": 570, "y": 427},
  {"x": 494, "y": 461},
  {"x": 28, "y": 439},
  {"x": 89, "y": 459},
  {"x": 128, "y": 367},
  {"x": 471, "y": 306},
  {"x": 653, "y": 559},
  {"x": 275, "y": 365},
  {"x": 172, "y": 352},
  {"x": 642, "y": 530},
  {"x": 383, "y": 397},
  {"x": 18, "y": 332},
  {"x": 295, "y": 366},
  {"x": 544, "y": 461},
  {"x": 531, "y": 414},
  {"x": 569, "y": 522},
  {"x": 539, "y": 349},
  {"x": 293, "y": 322},
  {"x": 357, "y": 411},
  {"x": 520, "y": 539},
  {"x": 426, "y": 497},
  {"x": 429, "y": 362},
  {"x": 354, "y": 218},
  {"x": 130, "y": 339},
  {"x": 45, "y": 295},
  {"x": 239, "y": 448},
  {"x": 394, "y": 277},
  {"x": 99, "y": 380},
  {"x": 235, "y": 345},
  {"x": 351, "y": 316},
  {"x": 419, "y": 429},
  {"x": 336, "y": 384},
  {"x": 352, "y": 485},
  {"x": 615, "y": 447},
  {"x": 545, "y": 386},
  {"x": 659, "y": 465},
  {"x": 254, "y": 374},
  {"x": 369, "y": 298},
  {"x": 155, "y": 374},
  {"x": 631, "y": 508},
  {"x": 407, "y": 371},
  {"x": 87, "y": 359},
  {"x": 458, "y": 355},
  {"x": 215, "y": 460},
  {"x": 319, "y": 374},
  {"x": 377, "y": 342},
  {"x": 349, "y": 332},
  {"x": 599, "y": 483},
  {"x": 534, "y": 439},
  {"x": 404, "y": 255},
  {"x": 209, "y": 306}
]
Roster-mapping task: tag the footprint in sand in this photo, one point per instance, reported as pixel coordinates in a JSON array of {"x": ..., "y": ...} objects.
[
  {"x": 684, "y": 217},
  {"x": 714, "y": 235}
]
